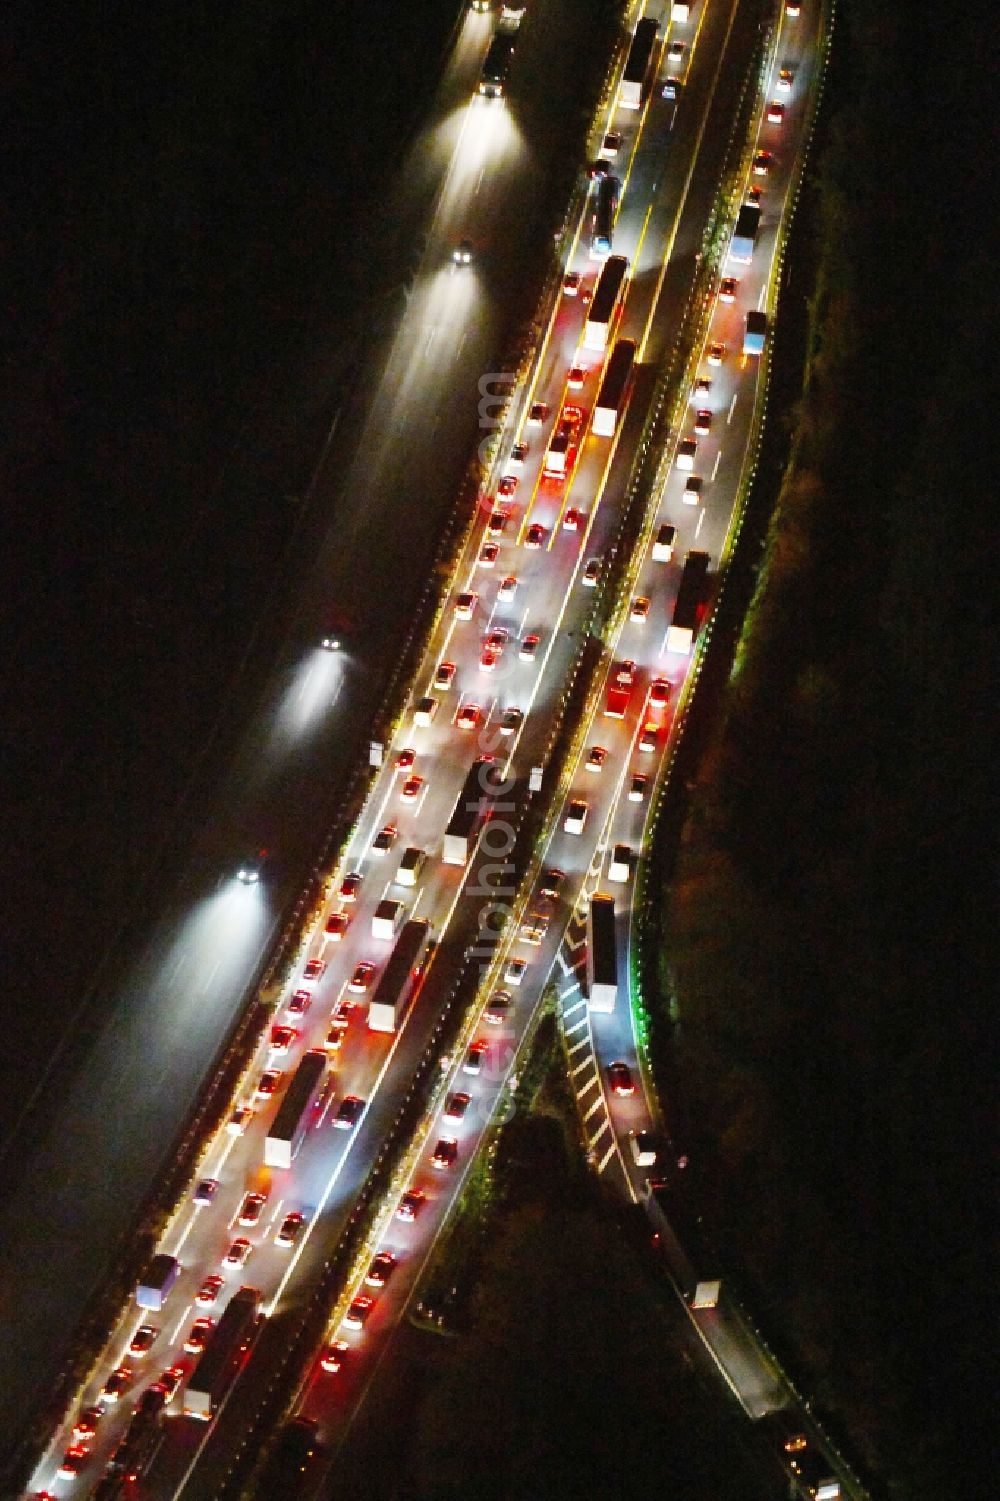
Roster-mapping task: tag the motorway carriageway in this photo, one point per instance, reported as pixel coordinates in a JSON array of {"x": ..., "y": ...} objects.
[{"x": 548, "y": 599}]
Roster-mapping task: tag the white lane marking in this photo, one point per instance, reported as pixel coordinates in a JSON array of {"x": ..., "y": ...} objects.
[
  {"x": 479, "y": 182},
  {"x": 604, "y": 1126},
  {"x": 430, "y": 341},
  {"x": 582, "y": 1043},
  {"x": 732, "y": 406},
  {"x": 208, "y": 983},
  {"x": 180, "y": 1323},
  {"x": 568, "y": 1010},
  {"x": 579, "y": 1068},
  {"x": 697, "y": 529},
  {"x": 715, "y": 467},
  {"x": 585, "y": 1088},
  {"x": 763, "y": 297},
  {"x": 566, "y": 969},
  {"x": 595, "y": 1106},
  {"x": 576, "y": 1025}
]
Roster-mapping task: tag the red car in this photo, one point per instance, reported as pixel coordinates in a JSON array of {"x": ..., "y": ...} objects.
[
  {"x": 299, "y": 1003},
  {"x": 350, "y": 886},
  {"x": 620, "y": 1079},
  {"x": 337, "y": 925},
  {"x": 314, "y": 969},
  {"x": 381, "y": 1269}
]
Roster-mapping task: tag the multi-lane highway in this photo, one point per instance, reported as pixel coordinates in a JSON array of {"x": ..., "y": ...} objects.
[
  {"x": 78, "y": 1168},
  {"x": 509, "y": 631}
]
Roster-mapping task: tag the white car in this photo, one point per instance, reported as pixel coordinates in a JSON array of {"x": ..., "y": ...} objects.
[
  {"x": 507, "y": 589},
  {"x": 576, "y": 816}
]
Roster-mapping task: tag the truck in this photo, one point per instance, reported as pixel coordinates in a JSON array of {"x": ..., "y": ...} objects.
[
  {"x": 470, "y": 813},
  {"x": 635, "y": 78},
  {"x": 613, "y": 395},
  {"x": 493, "y": 79},
  {"x": 605, "y": 214},
  {"x": 688, "y": 605},
  {"x": 134, "y": 1454},
  {"x": 410, "y": 866},
  {"x": 557, "y": 453},
  {"x": 295, "y": 1113},
  {"x": 603, "y": 311},
  {"x": 387, "y": 918},
  {"x": 399, "y": 981},
  {"x": 755, "y": 333},
  {"x": 602, "y": 953},
  {"x": 745, "y": 234},
  {"x": 160, "y": 1276},
  {"x": 223, "y": 1356}
]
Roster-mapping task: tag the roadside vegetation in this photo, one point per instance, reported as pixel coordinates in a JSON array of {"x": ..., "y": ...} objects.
[
  {"x": 822, "y": 940},
  {"x": 570, "y": 1375}
]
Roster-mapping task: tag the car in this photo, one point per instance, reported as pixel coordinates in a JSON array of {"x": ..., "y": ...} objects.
[
  {"x": 508, "y": 588},
  {"x": 381, "y": 1269},
  {"x": 458, "y": 1103},
  {"x": 537, "y": 413},
  {"x": 528, "y": 649},
  {"x": 143, "y": 1340},
  {"x": 411, "y": 1204},
  {"x": 691, "y": 495},
  {"x": 252, "y": 868},
  {"x": 314, "y": 969},
  {"x": 702, "y": 386},
  {"x": 675, "y": 53},
  {"x": 86, "y": 1423},
  {"x": 290, "y": 1229},
  {"x": 349, "y": 1113},
  {"x": 171, "y": 1379},
  {"x": 793, "y": 8},
  {"x": 73, "y": 1461},
  {"x": 599, "y": 169},
  {"x": 268, "y": 1083},
  {"x": 533, "y": 930},
  {"x": 474, "y": 1058},
  {"x": 488, "y": 659},
  {"x": 572, "y": 519},
  {"x": 592, "y": 573},
  {"x": 406, "y": 758},
  {"x": 462, "y": 253},
  {"x": 497, "y": 1007},
  {"x": 637, "y": 787},
  {"x": 507, "y": 485},
  {"x": 334, "y": 1040},
  {"x": 576, "y": 816},
  {"x": 282, "y": 1038},
  {"x": 514, "y": 972},
  {"x": 640, "y": 608},
  {"x": 209, "y": 1290},
  {"x": 197, "y": 1336},
  {"x": 337, "y": 925},
  {"x": 252, "y": 1208},
  {"x": 572, "y": 417},
  {"x": 576, "y": 378},
  {"x": 465, "y": 606},
  {"x": 299, "y": 1002},
  {"x": 553, "y": 879},
  {"x": 117, "y": 1382},
  {"x": 716, "y": 354},
  {"x": 596, "y": 758},
  {"x": 488, "y": 554},
  {"x": 703, "y": 422},
  {"x": 571, "y": 283},
  {"x": 206, "y": 1191},
  {"x": 384, "y": 839},
  {"x": 611, "y": 145},
  {"x": 535, "y": 536},
  {"x": 620, "y": 1079},
  {"x": 625, "y": 672},
  {"x": 361, "y": 978},
  {"x": 237, "y": 1254},
  {"x": 659, "y": 692},
  {"x": 410, "y": 790},
  {"x": 153, "y": 1399},
  {"x": 649, "y": 736},
  {"x": 518, "y": 454},
  {"x": 511, "y": 720},
  {"x": 669, "y": 89},
  {"x": 784, "y": 83},
  {"x": 444, "y": 676},
  {"x": 350, "y": 886},
  {"x": 775, "y": 112},
  {"x": 754, "y": 194},
  {"x": 332, "y": 1357},
  {"x": 762, "y": 163},
  {"x": 497, "y": 523},
  {"x": 468, "y": 716},
  {"x": 445, "y": 1154}
]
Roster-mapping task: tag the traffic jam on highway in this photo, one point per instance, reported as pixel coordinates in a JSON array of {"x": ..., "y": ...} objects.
[{"x": 276, "y": 1183}]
